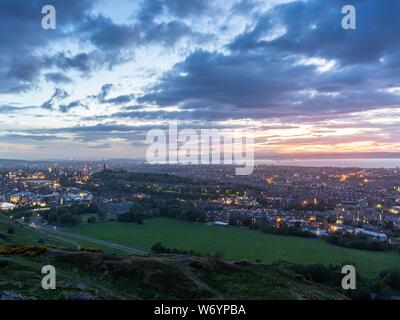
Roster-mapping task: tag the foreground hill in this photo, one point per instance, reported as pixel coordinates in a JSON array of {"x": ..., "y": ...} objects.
[{"x": 95, "y": 275}]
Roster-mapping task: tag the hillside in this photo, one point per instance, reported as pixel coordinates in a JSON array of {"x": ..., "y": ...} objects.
[{"x": 95, "y": 275}]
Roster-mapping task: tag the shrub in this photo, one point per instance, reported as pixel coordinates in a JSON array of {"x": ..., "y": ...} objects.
[
  {"x": 30, "y": 251},
  {"x": 92, "y": 250},
  {"x": 356, "y": 242},
  {"x": 4, "y": 237},
  {"x": 92, "y": 219},
  {"x": 394, "y": 279},
  {"x": 3, "y": 263}
]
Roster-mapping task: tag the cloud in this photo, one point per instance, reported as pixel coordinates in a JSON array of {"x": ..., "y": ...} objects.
[
  {"x": 179, "y": 8},
  {"x": 294, "y": 60},
  {"x": 25, "y": 137},
  {"x": 107, "y": 35},
  {"x": 13, "y": 109},
  {"x": 239, "y": 81},
  {"x": 22, "y": 37},
  {"x": 233, "y": 62},
  {"x": 67, "y": 107},
  {"x": 313, "y": 28},
  {"x": 57, "y": 78},
  {"x": 100, "y": 146},
  {"x": 119, "y": 39},
  {"x": 105, "y": 90},
  {"x": 58, "y": 95},
  {"x": 82, "y": 62},
  {"x": 120, "y": 99},
  {"x": 102, "y": 41}
]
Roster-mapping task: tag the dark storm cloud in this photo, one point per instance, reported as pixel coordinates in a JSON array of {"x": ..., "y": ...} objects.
[
  {"x": 179, "y": 8},
  {"x": 103, "y": 96},
  {"x": 257, "y": 76},
  {"x": 68, "y": 107},
  {"x": 110, "y": 37},
  {"x": 57, "y": 77},
  {"x": 199, "y": 114},
  {"x": 120, "y": 99},
  {"x": 95, "y": 133},
  {"x": 104, "y": 131},
  {"x": 274, "y": 77},
  {"x": 314, "y": 28},
  {"x": 107, "y": 35},
  {"x": 105, "y": 90},
  {"x": 81, "y": 62},
  {"x": 244, "y": 81},
  {"x": 22, "y": 35},
  {"x": 21, "y": 64},
  {"x": 58, "y": 95}
]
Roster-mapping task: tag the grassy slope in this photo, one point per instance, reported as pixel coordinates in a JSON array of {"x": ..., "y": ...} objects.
[
  {"x": 20, "y": 235},
  {"x": 101, "y": 276},
  {"x": 238, "y": 243},
  {"x": 27, "y": 236}
]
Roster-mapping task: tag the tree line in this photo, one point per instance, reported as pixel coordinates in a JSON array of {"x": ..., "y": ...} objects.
[{"x": 162, "y": 207}]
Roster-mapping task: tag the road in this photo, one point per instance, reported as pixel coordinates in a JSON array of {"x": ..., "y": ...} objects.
[
  {"x": 53, "y": 236},
  {"x": 58, "y": 233},
  {"x": 103, "y": 243}
]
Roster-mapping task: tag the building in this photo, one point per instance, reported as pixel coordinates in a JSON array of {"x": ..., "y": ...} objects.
[
  {"x": 77, "y": 196},
  {"x": 5, "y": 206},
  {"x": 117, "y": 208},
  {"x": 371, "y": 234},
  {"x": 23, "y": 198},
  {"x": 319, "y": 232},
  {"x": 221, "y": 223}
]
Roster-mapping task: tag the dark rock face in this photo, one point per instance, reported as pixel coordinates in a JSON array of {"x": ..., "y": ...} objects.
[
  {"x": 4, "y": 263},
  {"x": 8, "y": 295},
  {"x": 80, "y": 296}
]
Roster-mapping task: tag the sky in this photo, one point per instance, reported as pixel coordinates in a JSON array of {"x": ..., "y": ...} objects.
[{"x": 114, "y": 69}]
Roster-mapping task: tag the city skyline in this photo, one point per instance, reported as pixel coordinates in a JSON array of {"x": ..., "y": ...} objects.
[{"x": 109, "y": 73}]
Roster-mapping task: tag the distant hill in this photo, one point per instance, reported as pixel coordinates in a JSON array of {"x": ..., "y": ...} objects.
[{"x": 17, "y": 164}]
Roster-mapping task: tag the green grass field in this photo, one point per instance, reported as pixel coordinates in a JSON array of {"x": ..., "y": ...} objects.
[
  {"x": 28, "y": 236},
  {"x": 20, "y": 235},
  {"x": 237, "y": 243}
]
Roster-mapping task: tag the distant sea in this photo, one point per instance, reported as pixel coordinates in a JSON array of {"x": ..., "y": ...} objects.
[{"x": 343, "y": 163}]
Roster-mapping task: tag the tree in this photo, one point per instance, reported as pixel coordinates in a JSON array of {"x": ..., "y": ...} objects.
[
  {"x": 92, "y": 219},
  {"x": 52, "y": 218},
  {"x": 102, "y": 215},
  {"x": 10, "y": 230},
  {"x": 135, "y": 214},
  {"x": 157, "y": 248},
  {"x": 394, "y": 279},
  {"x": 137, "y": 210},
  {"x": 219, "y": 255},
  {"x": 68, "y": 219}
]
